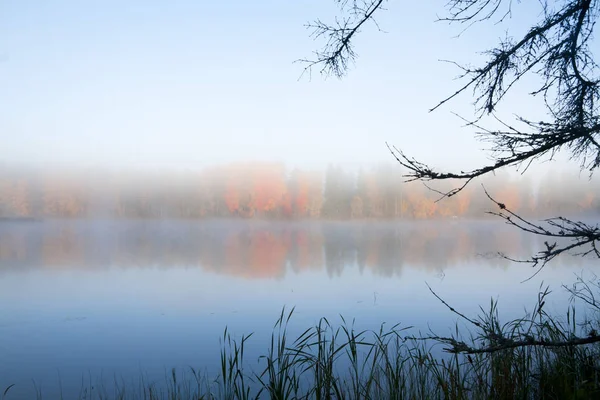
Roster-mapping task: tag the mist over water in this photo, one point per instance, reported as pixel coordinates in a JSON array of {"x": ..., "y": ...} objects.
[
  {"x": 165, "y": 175},
  {"x": 261, "y": 249},
  {"x": 137, "y": 298}
]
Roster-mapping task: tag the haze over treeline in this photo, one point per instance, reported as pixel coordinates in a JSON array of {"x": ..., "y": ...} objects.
[{"x": 270, "y": 190}]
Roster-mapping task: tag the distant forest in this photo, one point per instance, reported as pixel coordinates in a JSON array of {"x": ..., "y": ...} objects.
[{"x": 268, "y": 190}]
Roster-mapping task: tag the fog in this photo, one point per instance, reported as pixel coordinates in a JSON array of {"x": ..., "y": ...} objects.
[
  {"x": 155, "y": 84},
  {"x": 168, "y": 169},
  {"x": 134, "y": 299},
  {"x": 258, "y": 190},
  {"x": 263, "y": 250}
]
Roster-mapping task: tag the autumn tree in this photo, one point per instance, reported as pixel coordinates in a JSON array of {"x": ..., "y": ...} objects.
[
  {"x": 369, "y": 190},
  {"x": 391, "y": 180},
  {"x": 315, "y": 194},
  {"x": 232, "y": 187},
  {"x": 338, "y": 192},
  {"x": 298, "y": 190},
  {"x": 20, "y": 198},
  {"x": 273, "y": 188},
  {"x": 252, "y": 190}
]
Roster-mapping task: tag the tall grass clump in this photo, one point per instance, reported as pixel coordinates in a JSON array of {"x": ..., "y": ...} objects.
[{"x": 534, "y": 357}]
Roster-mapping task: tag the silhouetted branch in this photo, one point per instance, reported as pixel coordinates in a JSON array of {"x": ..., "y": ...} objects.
[
  {"x": 584, "y": 291},
  {"x": 474, "y": 11},
  {"x": 537, "y": 329},
  {"x": 576, "y": 234},
  {"x": 336, "y": 55},
  {"x": 512, "y": 148},
  {"x": 462, "y": 347},
  {"x": 555, "y": 49},
  {"x": 463, "y": 316}
]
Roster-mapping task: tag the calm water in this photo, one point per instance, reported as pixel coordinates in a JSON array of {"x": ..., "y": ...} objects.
[{"x": 81, "y": 299}]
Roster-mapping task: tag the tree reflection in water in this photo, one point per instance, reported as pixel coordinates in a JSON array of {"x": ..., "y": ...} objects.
[{"x": 259, "y": 250}]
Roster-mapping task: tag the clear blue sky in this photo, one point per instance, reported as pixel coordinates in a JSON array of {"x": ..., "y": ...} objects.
[{"x": 190, "y": 83}]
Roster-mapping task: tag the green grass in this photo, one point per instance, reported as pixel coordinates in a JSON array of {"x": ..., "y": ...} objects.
[{"x": 334, "y": 361}]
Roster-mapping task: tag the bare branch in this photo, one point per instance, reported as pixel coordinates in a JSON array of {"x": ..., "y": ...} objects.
[
  {"x": 569, "y": 235},
  {"x": 535, "y": 329},
  {"x": 473, "y": 322},
  {"x": 556, "y": 49},
  {"x": 338, "y": 53},
  {"x": 462, "y": 347}
]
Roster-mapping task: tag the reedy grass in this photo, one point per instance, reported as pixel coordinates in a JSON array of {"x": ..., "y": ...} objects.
[
  {"x": 6, "y": 390},
  {"x": 330, "y": 361}
]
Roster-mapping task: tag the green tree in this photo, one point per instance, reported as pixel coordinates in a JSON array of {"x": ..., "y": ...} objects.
[{"x": 338, "y": 193}]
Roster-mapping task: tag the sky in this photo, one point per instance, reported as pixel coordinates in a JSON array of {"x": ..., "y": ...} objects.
[{"x": 187, "y": 83}]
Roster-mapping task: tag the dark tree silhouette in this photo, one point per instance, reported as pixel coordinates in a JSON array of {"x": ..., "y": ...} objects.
[{"x": 557, "y": 48}]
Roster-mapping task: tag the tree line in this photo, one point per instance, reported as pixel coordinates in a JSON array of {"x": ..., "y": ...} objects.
[{"x": 269, "y": 190}]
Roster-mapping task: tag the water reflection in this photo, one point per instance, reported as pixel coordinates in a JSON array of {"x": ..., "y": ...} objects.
[
  {"x": 259, "y": 250},
  {"x": 113, "y": 298}
]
